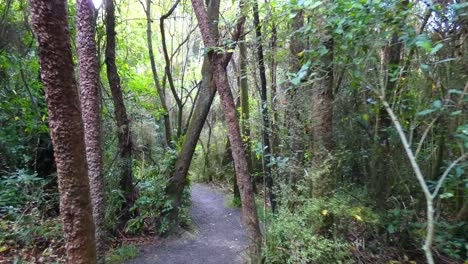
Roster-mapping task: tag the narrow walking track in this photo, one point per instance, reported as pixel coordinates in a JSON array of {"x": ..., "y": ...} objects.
[{"x": 218, "y": 237}]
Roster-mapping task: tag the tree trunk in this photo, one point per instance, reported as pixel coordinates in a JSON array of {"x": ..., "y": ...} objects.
[
  {"x": 168, "y": 70},
  {"x": 294, "y": 117},
  {"x": 249, "y": 211},
  {"x": 49, "y": 20},
  {"x": 266, "y": 119},
  {"x": 91, "y": 113},
  {"x": 273, "y": 93},
  {"x": 203, "y": 105},
  {"x": 123, "y": 124},
  {"x": 245, "y": 112},
  {"x": 322, "y": 114},
  {"x": 162, "y": 97}
]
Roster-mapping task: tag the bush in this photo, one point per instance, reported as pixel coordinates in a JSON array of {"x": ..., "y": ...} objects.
[
  {"x": 318, "y": 230},
  {"x": 28, "y": 214}
]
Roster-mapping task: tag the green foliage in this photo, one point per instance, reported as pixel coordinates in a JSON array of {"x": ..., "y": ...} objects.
[
  {"x": 151, "y": 204},
  {"x": 28, "y": 212},
  {"x": 315, "y": 230},
  {"x": 122, "y": 253}
]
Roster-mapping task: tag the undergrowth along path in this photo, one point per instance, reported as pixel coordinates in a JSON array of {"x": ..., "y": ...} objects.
[{"x": 217, "y": 236}]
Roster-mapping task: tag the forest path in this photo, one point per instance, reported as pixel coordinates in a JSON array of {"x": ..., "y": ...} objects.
[{"x": 217, "y": 236}]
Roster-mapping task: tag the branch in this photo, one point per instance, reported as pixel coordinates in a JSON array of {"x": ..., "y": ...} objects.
[{"x": 446, "y": 172}]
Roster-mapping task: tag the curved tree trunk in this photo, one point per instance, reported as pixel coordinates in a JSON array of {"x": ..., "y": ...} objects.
[
  {"x": 49, "y": 20},
  {"x": 249, "y": 211},
  {"x": 123, "y": 124},
  {"x": 202, "y": 108},
  {"x": 91, "y": 113}
]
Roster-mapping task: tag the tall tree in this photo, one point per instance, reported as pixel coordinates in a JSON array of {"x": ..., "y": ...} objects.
[
  {"x": 200, "y": 113},
  {"x": 265, "y": 117},
  {"x": 123, "y": 125},
  {"x": 249, "y": 211},
  {"x": 294, "y": 121},
  {"x": 49, "y": 20},
  {"x": 161, "y": 93},
  {"x": 245, "y": 110},
  {"x": 322, "y": 114},
  {"x": 168, "y": 70},
  {"x": 91, "y": 113}
]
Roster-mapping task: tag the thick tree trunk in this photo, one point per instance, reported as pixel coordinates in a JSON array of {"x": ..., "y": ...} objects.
[
  {"x": 49, "y": 20},
  {"x": 322, "y": 114},
  {"x": 249, "y": 211},
  {"x": 202, "y": 107},
  {"x": 123, "y": 124},
  {"x": 161, "y": 94},
  {"x": 91, "y": 113},
  {"x": 266, "y": 119}
]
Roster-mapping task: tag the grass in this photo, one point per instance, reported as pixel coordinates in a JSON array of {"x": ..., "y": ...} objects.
[{"x": 122, "y": 253}]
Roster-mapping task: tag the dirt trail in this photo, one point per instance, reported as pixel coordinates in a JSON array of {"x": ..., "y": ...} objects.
[{"x": 217, "y": 238}]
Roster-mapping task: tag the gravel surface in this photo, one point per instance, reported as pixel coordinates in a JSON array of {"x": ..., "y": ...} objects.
[{"x": 217, "y": 236}]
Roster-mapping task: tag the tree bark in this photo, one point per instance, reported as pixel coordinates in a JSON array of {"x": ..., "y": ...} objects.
[
  {"x": 245, "y": 111},
  {"x": 91, "y": 113},
  {"x": 202, "y": 107},
  {"x": 161, "y": 94},
  {"x": 123, "y": 124},
  {"x": 249, "y": 211},
  {"x": 322, "y": 114},
  {"x": 266, "y": 119},
  {"x": 49, "y": 20}
]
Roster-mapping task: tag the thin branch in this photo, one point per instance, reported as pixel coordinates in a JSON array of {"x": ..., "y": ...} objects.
[{"x": 446, "y": 172}]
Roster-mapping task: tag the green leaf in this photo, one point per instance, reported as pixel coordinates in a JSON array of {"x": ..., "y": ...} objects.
[
  {"x": 424, "y": 67},
  {"x": 455, "y": 91},
  {"x": 437, "y": 104},
  {"x": 446, "y": 195},
  {"x": 437, "y": 48},
  {"x": 456, "y": 113},
  {"x": 425, "y": 112}
]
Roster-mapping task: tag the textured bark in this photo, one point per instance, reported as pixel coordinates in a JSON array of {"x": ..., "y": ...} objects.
[
  {"x": 266, "y": 119},
  {"x": 49, "y": 20},
  {"x": 249, "y": 212},
  {"x": 202, "y": 107},
  {"x": 162, "y": 96},
  {"x": 123, "y": 124},
  {"x": 91, "y": 113},
  {"x": 322, "y": 114}
]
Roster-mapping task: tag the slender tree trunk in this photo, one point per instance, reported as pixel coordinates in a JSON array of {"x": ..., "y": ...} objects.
[
  {"x": 123, "y": 124},
  {"x": 273, "y": 93},
  {"x": 266, "y": 119},
  {"x": 249, "y": 211},
  {"x": 202, "y": 107},
  {"x": 168, "y": 70},
  {"x": 91, "y": 113},
  {"x": 161, "y": 94},
  {"x": 245, "y": 112},
  {"x": 49, "y": 20}
]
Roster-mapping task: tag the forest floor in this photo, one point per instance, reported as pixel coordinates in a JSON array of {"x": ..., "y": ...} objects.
[{"x": 216, "y": 236}]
